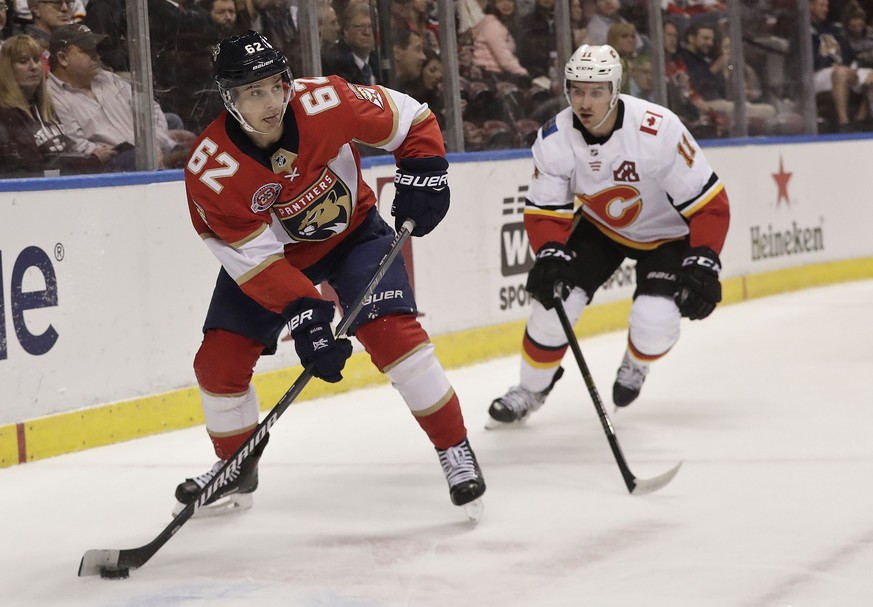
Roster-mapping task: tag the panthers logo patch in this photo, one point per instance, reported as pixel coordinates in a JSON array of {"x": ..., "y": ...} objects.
[
  {"x": 365, "y": 93},
  {"x": 323, "y": 210}
]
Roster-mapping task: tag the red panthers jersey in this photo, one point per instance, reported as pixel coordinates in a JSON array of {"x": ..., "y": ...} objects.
[{"x": 267, "y": 214}]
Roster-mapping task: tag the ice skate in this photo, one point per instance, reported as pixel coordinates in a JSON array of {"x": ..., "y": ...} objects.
[
  {"x": 234, "y": 495},
  {"x": 628, "y": 381},
  {"x": 466, "y": 483},
  {"x": 518, "y": 403}
]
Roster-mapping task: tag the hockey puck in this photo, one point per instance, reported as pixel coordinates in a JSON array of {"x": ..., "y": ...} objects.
[{"x": 114, "y": 573}]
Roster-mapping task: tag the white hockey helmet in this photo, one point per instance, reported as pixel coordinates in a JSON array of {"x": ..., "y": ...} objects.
[{"x": 594, "y": 64}]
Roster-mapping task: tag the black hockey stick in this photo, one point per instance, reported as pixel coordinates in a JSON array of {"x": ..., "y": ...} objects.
[
  {"x": 636, "y": 486},
  {"x": 118, "y": 563}
]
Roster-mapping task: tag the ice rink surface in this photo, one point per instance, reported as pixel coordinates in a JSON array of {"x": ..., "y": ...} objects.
[{"x": 768, "y": 403}]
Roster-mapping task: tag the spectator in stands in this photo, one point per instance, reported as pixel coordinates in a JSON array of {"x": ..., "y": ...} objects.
[
  {"x": 474, "y": 137},
  {"x": 48, "y": 15},
  {"x": 469, "y": 13},
  {"x": 244, "y": 14},
  {"x": 401, "y": 14},
  {"x": 415, "y": 15},
  {"x": 422, "y": 23},
  {"x": 698, "y": 59},
  {"x": 32, "y": 140},
  {"x": 408, "y": 52},
  {"x": 607, "y": 15},
  {"x": 493, "y": 45},
  {"x": 537, "y": 47},
  {"x": 328, "y": 24},
  {"x": 95, "y": 105},
  {"x": 225, "y": 20},
  {"x": 832, "y": 62},
  {"x": 186, "y": 87},
  {"x": 759, "y": 113},
  {"x": 751, "y": 83},
  {"x": 578, "y": 23},
  {"x": 858, "y": 34},
  {"x": 622, "y": 37},
  {"x": 20, "y": 15},
  {"x": 274, "y": 19},
  {"x": 692, "y": 7},
  {"x": 642, "y": 82},
  {"x": 682, "y": 99},
  {"x": 181, "y": 35},
  {"x": 691, "y": 12},
  {"x": 353, "y": 57},
  {"x": 430, "y": 86},
  {"x": 109, "y": 17},
  {"x": 671, "y": 41},
  {"x": 507, "y": 12},
  {"x": 707, "y": 76},
  {"x": 692, "y": 110},
  {"x": 173, "y": 28}
]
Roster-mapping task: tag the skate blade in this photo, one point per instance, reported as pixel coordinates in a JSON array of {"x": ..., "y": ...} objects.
[
  {"x": 493, "y": 424},
  {"x": 237, "y": 502},
  {"x": 474, "y": 509}
]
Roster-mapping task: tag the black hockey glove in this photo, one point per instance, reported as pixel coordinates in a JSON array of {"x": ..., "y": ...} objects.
[
  {"x": 422, "y": 193},
  {"x": 698, "y": 287},
  {"x": 309, "y": 323},
  {"x": 553, "y": 265}
]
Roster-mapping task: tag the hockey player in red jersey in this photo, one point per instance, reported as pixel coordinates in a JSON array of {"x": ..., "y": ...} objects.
[
  {"x": 615, "y": 177},
  {"x": 275, "y": 191}
]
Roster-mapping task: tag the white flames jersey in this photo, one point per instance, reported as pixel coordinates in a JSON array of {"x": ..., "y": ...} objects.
[{"x": 640, "y": 187}]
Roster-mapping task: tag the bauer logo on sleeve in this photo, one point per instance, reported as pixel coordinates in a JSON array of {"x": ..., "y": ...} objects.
[{"x": 651, "y": 122}]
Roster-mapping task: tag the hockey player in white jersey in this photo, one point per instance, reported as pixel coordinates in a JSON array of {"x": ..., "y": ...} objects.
[{"x": 615, "y": 177}]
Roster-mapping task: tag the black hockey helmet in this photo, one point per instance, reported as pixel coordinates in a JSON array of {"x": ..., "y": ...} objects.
[{"x": 245, "y": 58}]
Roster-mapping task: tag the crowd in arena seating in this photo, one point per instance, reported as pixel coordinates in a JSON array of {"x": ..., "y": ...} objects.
[{"x": 65, "y": 91}]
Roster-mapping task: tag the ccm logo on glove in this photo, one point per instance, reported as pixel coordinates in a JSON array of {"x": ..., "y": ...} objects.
[
  {"x": 559, "y": 254},
  {"x": 698, "y": 287},
  {"x": 702, "y": 260},
  {"x": 552, "y": 266}
]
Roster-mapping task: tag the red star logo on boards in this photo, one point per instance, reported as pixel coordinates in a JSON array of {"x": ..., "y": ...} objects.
[{"x": 781, "y": 179}]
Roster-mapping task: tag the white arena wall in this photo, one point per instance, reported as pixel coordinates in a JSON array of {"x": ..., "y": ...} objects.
[{"x": 104, "y": 284}]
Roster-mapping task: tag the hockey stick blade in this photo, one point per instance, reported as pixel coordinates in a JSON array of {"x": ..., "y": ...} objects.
[
  {"x": 95, "y": 560},
  {"x": 641, "y": 486},
  {"x": 116, "y": 563},
  {"x": 634, "y": 485}
]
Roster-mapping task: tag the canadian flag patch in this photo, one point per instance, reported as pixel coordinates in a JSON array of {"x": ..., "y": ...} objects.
[{"x": 651, "y": 122}]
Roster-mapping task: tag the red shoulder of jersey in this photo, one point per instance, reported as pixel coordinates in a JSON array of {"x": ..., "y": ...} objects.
[{"x": 374, "y": 115}]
